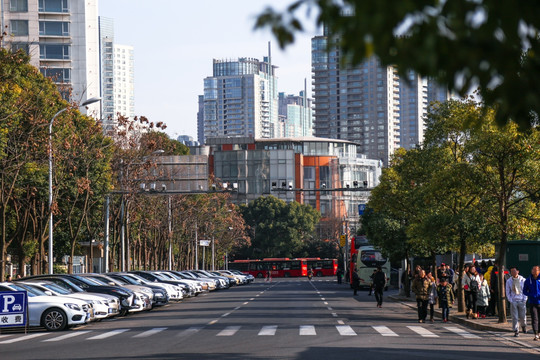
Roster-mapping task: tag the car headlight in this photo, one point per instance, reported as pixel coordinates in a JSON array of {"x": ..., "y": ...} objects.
[{"x": 73, "y": 306}]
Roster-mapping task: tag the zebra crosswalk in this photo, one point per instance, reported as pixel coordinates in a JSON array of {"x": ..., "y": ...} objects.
[{"x": 267, "y": 330}]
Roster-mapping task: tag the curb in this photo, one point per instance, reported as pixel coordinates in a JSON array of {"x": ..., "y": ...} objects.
[{"x": 474, "y": 324}]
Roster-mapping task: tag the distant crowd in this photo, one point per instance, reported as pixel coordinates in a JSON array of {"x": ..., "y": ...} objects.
[{"x": 481, "y": 288}]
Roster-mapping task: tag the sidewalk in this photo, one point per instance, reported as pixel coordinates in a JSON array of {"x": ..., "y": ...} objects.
[{"x": 488, "y": 324}]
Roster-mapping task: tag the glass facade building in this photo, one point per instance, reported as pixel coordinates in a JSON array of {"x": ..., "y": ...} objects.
[
  {"x": 239, "y": 100},
  {"x": 308, "y": 170}
]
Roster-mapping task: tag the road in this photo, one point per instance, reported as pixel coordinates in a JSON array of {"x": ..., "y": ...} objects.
[{"x": 284, "y": 319}]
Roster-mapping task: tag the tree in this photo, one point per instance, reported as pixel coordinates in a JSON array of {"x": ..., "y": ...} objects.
[
  {"x": 508, "y": 162},
  {"x": 487, "y": 44},
  {"x": 278, "y": 229}
]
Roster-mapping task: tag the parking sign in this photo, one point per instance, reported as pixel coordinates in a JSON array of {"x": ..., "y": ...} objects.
[{"x": 13, "y": 308}]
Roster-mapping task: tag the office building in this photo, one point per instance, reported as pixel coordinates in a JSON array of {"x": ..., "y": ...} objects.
[
  {"x": 368, "y": 104},
  {"x": 240, "y": 99},
  {"x": 295, "y": 115},
  {"x": 117, "y": 75},
  {"x": 61, "y": 38}
]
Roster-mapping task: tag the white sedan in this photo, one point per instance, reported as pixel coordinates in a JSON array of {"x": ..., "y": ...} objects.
[{"x": 52, "y": 312}]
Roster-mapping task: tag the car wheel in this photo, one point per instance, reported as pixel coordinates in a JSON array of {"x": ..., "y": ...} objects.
[
  {"x": 287, "y": 275},
  {"x": 319, "y": 274},
  {"x": 54, "y": 319},
  {"x": 260, "y": 275}
]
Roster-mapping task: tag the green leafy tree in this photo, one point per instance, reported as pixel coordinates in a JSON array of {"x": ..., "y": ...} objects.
[
  {"x": 278, "y": 229},
  {"x": 487, "y": 44}
]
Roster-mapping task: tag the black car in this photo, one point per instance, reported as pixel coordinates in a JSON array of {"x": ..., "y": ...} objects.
[{"x": 125, "y": 296}]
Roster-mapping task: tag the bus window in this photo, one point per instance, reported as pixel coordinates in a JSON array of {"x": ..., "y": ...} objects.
[{"x": 372, "y": 258}]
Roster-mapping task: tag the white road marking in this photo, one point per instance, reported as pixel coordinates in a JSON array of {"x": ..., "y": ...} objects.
[
  {"x": 340, "y": 322},
  {"x": 334, "y": 314},
  {"x": 269, "y": 330},
  {"x": 67, "y": 336},
  {"x": 107, "y": 334},
  {"x": 229, "y": 331},
  {"x": 22, "y": 338},
  {"x": 190, "y": 331},
  {"x": 150, "y": 332},
  {"x": 307, "y": 330},
  {"x": 384, "y": 331},
  {"x": 345, "y": 330},
  {"x": 461, "y": 332},
  {"x": 423, "y": 332}
]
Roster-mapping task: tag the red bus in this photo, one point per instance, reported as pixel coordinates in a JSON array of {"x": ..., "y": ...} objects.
[
  {"x": 322, "y": 267},
  {"x": 278, "y": 267}
]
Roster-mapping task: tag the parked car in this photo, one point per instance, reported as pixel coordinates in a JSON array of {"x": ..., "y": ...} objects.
[
  {"x": 99, "y": 303},
  {"x": 125, "y": 297},
  {"x": 155, "y": 277},
  {"x": 249, "y": 277},
  {"x": 159, "y": 295},
  {"x": 174, "y": 293},
  {"x": 54, "y": 313}
]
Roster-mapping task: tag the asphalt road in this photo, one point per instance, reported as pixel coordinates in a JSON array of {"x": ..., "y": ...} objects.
[{"x": 284, "y": 319}]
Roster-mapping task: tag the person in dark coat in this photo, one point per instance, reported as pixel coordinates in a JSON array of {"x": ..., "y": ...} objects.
[
  {"x": 379, "y": 282},
  {"x": 339, "y": 275},
  {"x": 355, "y": 282}
]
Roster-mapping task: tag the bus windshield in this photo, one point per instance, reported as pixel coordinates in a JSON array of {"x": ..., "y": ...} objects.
[{"x": 372, "y": 258}]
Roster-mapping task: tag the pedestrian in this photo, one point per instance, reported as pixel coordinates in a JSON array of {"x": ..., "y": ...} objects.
[
  {"x": 371, "y": 281},
  {"x": 420, "y": 287},
  {"x": 449, "y": 274},
  {"x": 484, "y": 295},
  {"x": 268, "y": 276},
  {"x": 8, "y": 277},
  {"x": 494, "y": 288},
  {"x": 355, "y": 282},
  {"x": 379, "y": 283},
  {"x": 445, "y": 295},
  {"x": 531, "y": 289},
  {"x": 517, "y": 300},
  {"x": 339, "y": 275},
  {"x": 432, "y": 295},
  {"x": 471, "y": 286}
]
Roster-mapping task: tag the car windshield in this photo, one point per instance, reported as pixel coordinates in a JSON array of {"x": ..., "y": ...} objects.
[
  {"x": 160, "y": 276},
  {"x": 56, "y": 288},
  {"x": 89, "y": 281},
  {"x": 140, "y": 280},
  {"x": 30, "y": 289},
  {"x": 124, "y": 280}
]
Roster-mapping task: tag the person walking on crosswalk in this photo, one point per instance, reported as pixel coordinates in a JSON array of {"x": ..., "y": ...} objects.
[
  {"x": 445, "y": 295},
  {"x": 420, "y": 287}
]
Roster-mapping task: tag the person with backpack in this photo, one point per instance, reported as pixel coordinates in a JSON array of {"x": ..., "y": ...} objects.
[
  {"x": 471, "y": 286},
  {"x": 379, "y": 283},
  {"x": 517, "y": 300}
]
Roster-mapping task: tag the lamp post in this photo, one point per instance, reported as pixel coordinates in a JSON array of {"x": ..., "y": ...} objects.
[{"x": 51, "y": 257}]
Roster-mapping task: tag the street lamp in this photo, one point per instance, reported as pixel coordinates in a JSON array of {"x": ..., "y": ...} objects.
[{"x": 84, "y": 103}]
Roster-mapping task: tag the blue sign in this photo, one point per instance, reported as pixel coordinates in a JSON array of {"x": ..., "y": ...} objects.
[
  {"x": 13, "y": 308},
  {"x": 361, "y": 208}
]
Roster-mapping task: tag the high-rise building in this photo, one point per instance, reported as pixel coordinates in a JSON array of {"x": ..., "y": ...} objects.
[
  {"x": 295, "y": 115},
  {"x": 415, "y": 95},
  {"x": 117, "y": 75},
  {"x": 368, "y": 104},
  {"x": 359, "y": 104},
  {"x": 61, "y": 37},
  {"x": 240, "y": 99}
]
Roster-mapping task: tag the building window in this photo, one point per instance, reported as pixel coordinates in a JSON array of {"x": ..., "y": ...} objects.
[
  {"x": 55, "y": 6},
  {"x": 55, "y": 52},
  {"x": 20, "y": 46},
  {"x": 19, "y": 27},
  {"x": 18, "y": 5},
  {"x": 54, "y": 28},
  {"x": 57, "y": 75}
]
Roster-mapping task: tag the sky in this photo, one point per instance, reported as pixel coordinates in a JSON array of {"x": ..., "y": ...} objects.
[{"x": 175, "y": 42}]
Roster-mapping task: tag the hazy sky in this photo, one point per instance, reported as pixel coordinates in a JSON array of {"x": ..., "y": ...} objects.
[{"x": 175, "y": 42}]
